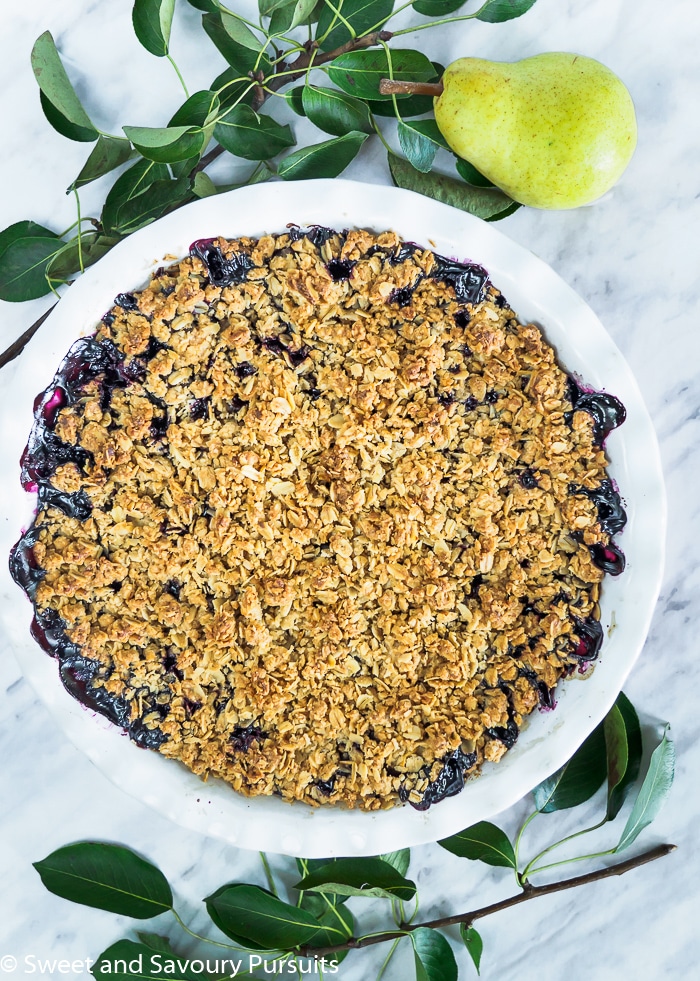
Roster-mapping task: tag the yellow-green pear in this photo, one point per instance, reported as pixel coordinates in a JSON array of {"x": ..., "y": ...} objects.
[{"x": 553, "y": 131}]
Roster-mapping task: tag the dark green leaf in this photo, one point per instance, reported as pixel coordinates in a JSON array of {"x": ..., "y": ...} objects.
[
  {"x": 399, "y": 860},
  {"x": 470, "y": 174},
  {"x": 197, "y": 110},
  {"x": 335, "y": 112},
  {"x": 473, "y": 943},
  {"x": 161, "y": 197},
  {"x": 236, "y": 42},
  {"x": 152, "y": 21},
  {"x": 483, "y": 842},
  {"x": 437, "y": 8},
  {"x": 248, "y": 134},
  {"x": 316, "y": 903},
  {"x": 108, "y": 877},
  {"x": 484, "y": 202},
  {"x": 359, "y": 877},
  {"x": 107, "y": 154},
  {"x": 66, "y": 261},
  {"x": 336, "y": 925},
  {"x": 618, "y": 795},
  {"x": 429, "y": 129},
  {"x": 409, "y": 105},
  {"x": 129, "y": 961},
  {"x": 433, "y": 955},
  {"x": 155, "y": 941},
  {"x": 499, "y": 10},
  {"x": 133, "y": 182},
  {"x": 166, "y": 144},
  {"x": 616, "y": 750},
  {"x": 653, "y": 792},
  {"x": 510, "y": 210},
  {"x": 232, "y": 89},
  {"x": 295, "y": 100},
  {"x": 419, "y": 150},
  {"x": 57, "y": 89},
  {"x": 359, "y": 72},
  {"x": 63, "y": 125},
  {"x": 206, "y": 5},
  {"x": 286, "y": 18},
  {"x": 252, "y": 913},
  {"x": 23, "y": 266},
  {"x": 361, "y": 15},
  {"x": 321, "y": 159},
  {"x": 578, "y": 779},
  {"x": 23, "y": 229},
  {"x": 268, "y": 7},
  {"x": 259, "y": 176}
]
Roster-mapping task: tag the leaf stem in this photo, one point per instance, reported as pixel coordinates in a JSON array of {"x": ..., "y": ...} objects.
[
  {"x": 519, "y": 836},
  {"x": 268, "y": 874},
  {"x": 179, "y": 75},
  {"x": 388, "y": 957},
  {"x": 80, "y": 231},
  {"x": 545, "y": 851},
  {"x": 528, "y": 892}
]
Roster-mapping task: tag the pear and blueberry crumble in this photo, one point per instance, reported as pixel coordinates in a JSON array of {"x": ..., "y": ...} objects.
[{"x": 317, "y": 515}]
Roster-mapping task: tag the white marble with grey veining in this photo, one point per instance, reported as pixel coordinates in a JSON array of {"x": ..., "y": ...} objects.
[{"x": 633, "y": 258}]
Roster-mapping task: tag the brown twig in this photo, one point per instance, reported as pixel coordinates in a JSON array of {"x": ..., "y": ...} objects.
[
  {"x": 18, "y": 346},
  {"x": 529, "y": 892},
  {"x": 391, "y": 86}
]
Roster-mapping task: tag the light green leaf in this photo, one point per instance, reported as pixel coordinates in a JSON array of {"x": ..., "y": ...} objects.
[
  {"x": 399, "y": 860},
  {"x": 483, "y": 842},
  {"x": 108, "y": 877},
  {"x": 473, "y": 943},
  {"x": 251, "y": 135},
  {"x": 433, "y": 956},
  {"x": 322, "y": 159},
  {"x": 497, "y": 11},
  {"x": 360, "y": 15},
  {"x": 236, "y": 42},
  {"x": 358, "y": 877},
  {"x": 358, "y": 72},
  {"x": 616, "y": 751},
  {"x": 484, "y": 202},
  {"x": 292, "y": 14},
  {"x": 203, "y": 186},
  {"x": 255, "y": 915},
  {"x": 653, "y": 792},
  {"x": 166, "y": 144},
  {"x": 335, "y": 112},
  {"x": 618, "y": 794},
  {"x": 107, "y": 154},
  {"x": 152, "y": 20},
  {"x": 56, "y": 86},
  {"x": 418, "y": 149}
]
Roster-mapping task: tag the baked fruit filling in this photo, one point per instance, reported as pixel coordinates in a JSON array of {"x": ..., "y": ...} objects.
[{"x": 319, "y": 516}]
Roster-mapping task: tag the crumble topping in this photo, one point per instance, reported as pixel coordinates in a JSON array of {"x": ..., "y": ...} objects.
[{"x": 320, "y": 517}]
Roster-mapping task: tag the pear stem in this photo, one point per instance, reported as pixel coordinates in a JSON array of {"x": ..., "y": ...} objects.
[{"x": 390, "y": 86}]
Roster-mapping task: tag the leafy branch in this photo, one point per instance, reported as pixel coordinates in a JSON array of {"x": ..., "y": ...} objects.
[{"x": 316, "y": 922}]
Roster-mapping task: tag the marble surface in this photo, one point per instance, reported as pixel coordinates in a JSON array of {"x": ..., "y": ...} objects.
[{"x": 632, "y": 258}]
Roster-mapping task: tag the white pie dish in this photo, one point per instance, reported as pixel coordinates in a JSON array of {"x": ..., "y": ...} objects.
[{"x": 583, "y": 346}]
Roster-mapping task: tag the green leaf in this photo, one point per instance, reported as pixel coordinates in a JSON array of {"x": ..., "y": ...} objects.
[
  {"x": 335, "y": 112},
  {"x": 399, "y": 860},
  {"x": 653, "y": 792},
  {"x": 616, "y": 751},
  {"x": 359, "y": 72},
  {"x": 108, "y": 877},
  {"x": 484, "y": 202},
  {"x": 235, "y": 42},
  {"x": 483, "y": 842},
  {"x": 433, "y": 955},
  {"x": 409, "y": 105},
  {"x": 429, "y": 129},
  {"x": 473, "y": 942},
  {"x": 107, "y": 154},
  {"x": 23, "y": 229},
  {"x": 437, "y": 8},
  {"x": 359, "y": 877},
  {"x": 336, "y": 926},
  {"x": 633, "y": 732},
  {"x": 316, "y": 903},
  {"x": 63, "y": 125},
  {"x": 419, "y": 150},
  {"x": 295, "y": 100},
  {"x": 197, "y": 110},
  {"x": 166, "y": 144},
  {"x": 510, "y": 210},
  {"x": 497, "y": 11},
  {"x": 155, "y": 941},
  {"x": 23, "y": 266},
  {"x": 160, "y": 198},
  {"x": 130, "y": 184},
  {"x": 129, "y": 961},
  {"x": 470, "y": 174},
  {"x": 206, "y": 5},
  {"x": 203, "y": 186},
  {"x": 252, "y": 913},
  {"x": 66, "y": 261},
  {"x": 286, "y": 18},
  {"x": 321, "y": 159},
  {"x": 152, "y": 20},
  {"x": 578, "y": 779},
  {"x": 234, "y": 86},
  {"x": 360, "y": 15},
  {"x": 249, "y": 134},
  {"x": 57, "y": 89}
]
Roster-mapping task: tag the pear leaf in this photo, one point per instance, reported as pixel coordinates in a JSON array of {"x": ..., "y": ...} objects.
[
  {"x": 359, "y": 72},
  {"x": 290, "y": 15},
  {"x": 419, "y": 150},
  {"x": 497, "y": 11},
  {"x": 484, "y": 202},
  {"x": 107, "y": 154},
  {"x": 433, "y": 956},
  {"x": 152, "y": 20},
  {"x": 334, "y": 111},
  {"x": 653, "y": 792},
  {"x": 335, "y": 21},
  {"x": 251, "y": 135},
  {"x": 470, "y": 174},
  {"x": 437, "y": 8},
  {"x": 474, "y": 944},
  {"x": 58, "y": 92},
  {"x": 322, "y": 159}
]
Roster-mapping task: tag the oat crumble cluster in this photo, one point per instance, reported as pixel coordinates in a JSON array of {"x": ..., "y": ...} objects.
[{"x": 318, "y": 516}]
